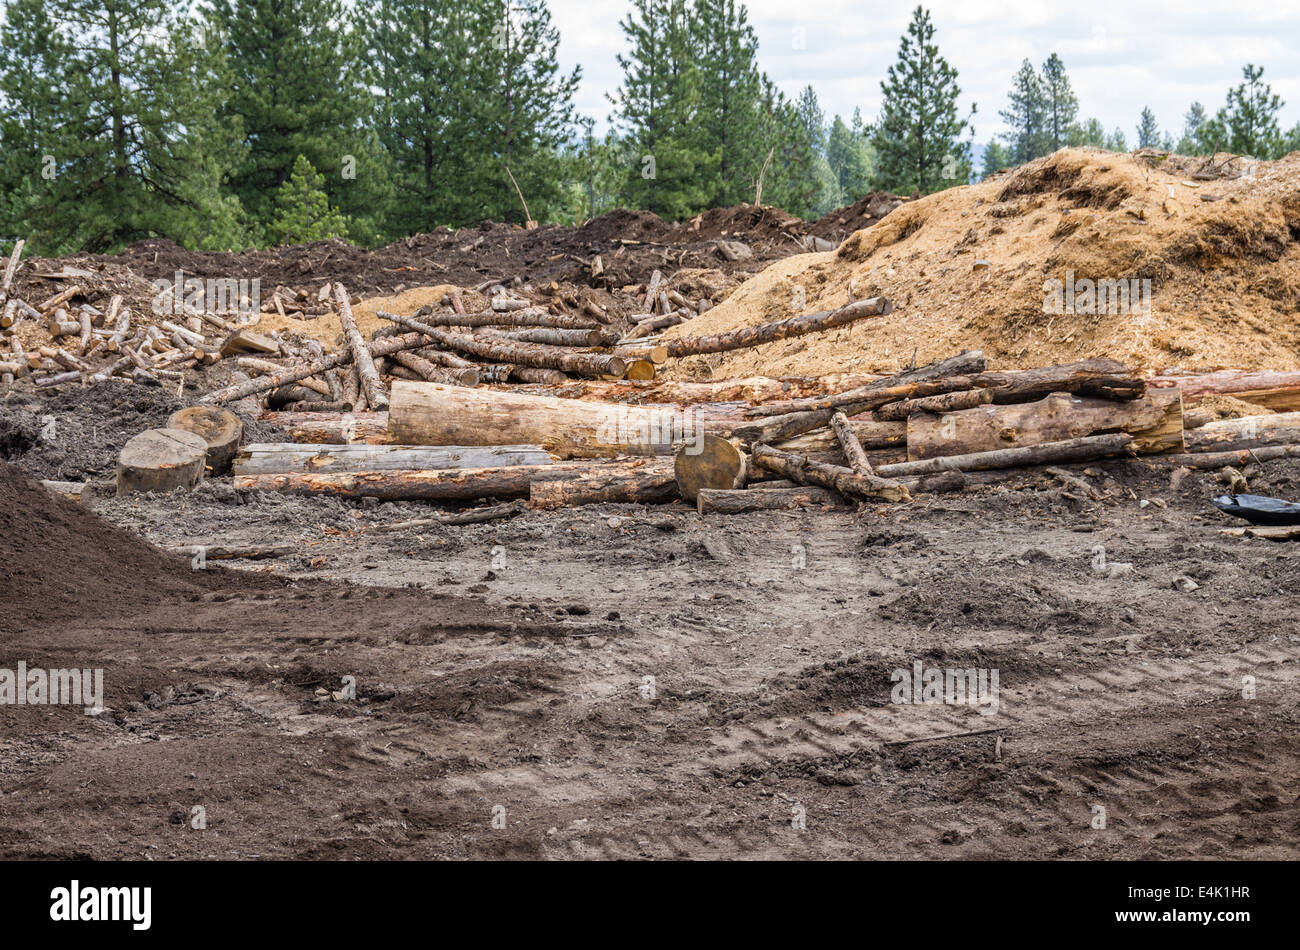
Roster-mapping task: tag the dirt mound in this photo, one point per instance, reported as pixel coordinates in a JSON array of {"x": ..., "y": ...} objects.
[
  {"x": 863, "y": 213},
  {"x": 59, "y": 561},
  {"x": 743, "y": 222},
  {"x": 1158, "y": 261}
]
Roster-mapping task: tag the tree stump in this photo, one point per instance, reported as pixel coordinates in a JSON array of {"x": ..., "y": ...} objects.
[
  {"x": 220, "y": 428},
  {"x": 161, "y": 460}
]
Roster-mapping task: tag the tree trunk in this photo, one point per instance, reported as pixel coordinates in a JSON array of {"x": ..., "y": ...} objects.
[
  {"x": 1203, "y": 461},
  {"x": 849, "y": 444},
  {"x": 331, "y": 428},
  {"x": 220, "y": 428},
  {"x": 709, "y": 462},
  {"x": 1278, "y": 391},
  {"x": 1071, "y": 450},
  {"x": 1155, "y": 422},
  {"x": 553, "y": 336},
  {"x": 270, "y": 458},
  {"x": 456, "y": 484},
  {"x": 161, "y": 460},
  {"x": 432, "y": 414},
  {"x": 870, "y": 435},
  {"x": 371, "y": 384},
  {"x": 1101, "y": 378},
  {"x": 843, "y": 480},
  {"x": 530, "y": 317},
  {"x": 781, "y": 330},
  {"x": 653, "y": 484},
  {"x": 943, "y": 403},
  {"x": 520, "y": 354},
  {"x": 1249, "y": 432},
  {"x": 436, "y": 374}
]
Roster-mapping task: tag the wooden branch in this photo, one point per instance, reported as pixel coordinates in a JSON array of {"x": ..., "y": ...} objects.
[
  {"x": 263, "y": 458},
  {"x": 944, "y": 402},
  {"x": 843, "y": 480},
  {"x": 1070, "y": 450},
  {"x": 6, "y": 283},
  {"x": 853, "y": 452},
  {"x": 361, "y": 356}
]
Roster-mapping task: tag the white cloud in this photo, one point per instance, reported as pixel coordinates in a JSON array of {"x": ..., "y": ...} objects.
[{"x": 1121, "y": 54}]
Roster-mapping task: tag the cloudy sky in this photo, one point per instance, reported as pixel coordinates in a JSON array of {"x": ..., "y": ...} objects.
[{"x": 1121, "y": 54}]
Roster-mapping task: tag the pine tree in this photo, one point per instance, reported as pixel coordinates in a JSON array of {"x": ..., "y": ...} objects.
[
  {"x": 729, "y": 114},
  {"x": 995, "y": 159},
  {"x": 1026, "y": 115},
  {"x": 1148, "y": 133},
  {"x": 850, "y": 159},
  {"x": 1193, "y": 120},
  {"x": 1251, "y": 116},
  {"x": 302, "y": 209},
  {"x": 918, "y": 136},
  {"x": 654, "y": 106},
  {"x": 32, "y": 110},
  {"x": 1062, "y": 106},
  {"x": 428, "y": 71},
  {"x": 1116, "y": 142},
  {"x": 1091, "y": 133},
  {"x": 524, "y": 115},
  {"x": 135, "y": 149},
  {"x": 301, "y": 88}
]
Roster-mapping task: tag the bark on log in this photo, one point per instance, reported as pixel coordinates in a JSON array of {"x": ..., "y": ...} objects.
[
  {"x": 11, "y": 268},
  {"x": 471, "y": 516},
  {"x": 1155, "y": 422},
  {"x": 436, "y": 374},
  {"x": 849, "y": 444},
  {"x": 269, "y": 458},
  {"x": 531, "y": 374},
  {"x": 531, "y": 317},
  {"x": 1070, "y": 450},
  {"x": 870, "y": 435},
  {"x": 780, "y": 330},
  {"x": 750, "y": 389},
  {"x": 246, "y": 341},
  {"x": 964, "y": 364},
  {"x": 1278, "y": 391},
  {"x": 371, "y": 384},
  {"x": 519, "y": 354},
  {"x": 722, "y": 502},
  {"x": 220, "y": 552},
  {"x": 945, "y": 402},
  {"x": 220, "y": 428},
  {"x": 340, "y": 428},
  {"x": 799, "y": 469},
  {"x": 1100, "y": 378},
  {"x": 433, "y": 485},
  {"x": 709, "y": 461},
  {"x": 161, "y": 460},
  {"x": 653, "y": 484},
  {"x": 553, "y": 336},
  {"x": 1249, "y": 432},
  {"x": 1203, "y": 461},
  {"x": 432, "y": 414}
]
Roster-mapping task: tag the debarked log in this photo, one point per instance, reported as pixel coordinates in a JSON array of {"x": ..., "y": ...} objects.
[
  {"x": 263, "y": 458},
  {"x": 434, "y": 485},
  {"x": 652, "y": 484}
]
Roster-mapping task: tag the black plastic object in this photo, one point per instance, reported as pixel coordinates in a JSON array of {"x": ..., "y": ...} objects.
[{"x": 1257, "y": 509}]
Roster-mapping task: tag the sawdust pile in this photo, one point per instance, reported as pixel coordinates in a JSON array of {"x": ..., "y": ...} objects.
[{"x": 1218, "y": 239}]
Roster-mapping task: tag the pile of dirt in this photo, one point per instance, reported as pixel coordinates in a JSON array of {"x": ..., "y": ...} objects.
[
  {"x": 1218, "y": 240},
  {"x": 59, "y": 561},
  {"x": 744, "y": 222},
  {"x": 863, "y": 213}
]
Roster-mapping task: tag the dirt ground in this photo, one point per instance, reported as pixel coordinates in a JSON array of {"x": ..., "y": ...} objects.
[{"x": 501, "y": 673}]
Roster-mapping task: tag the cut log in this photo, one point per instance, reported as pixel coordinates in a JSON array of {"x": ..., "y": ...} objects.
[
  {"x": 1249, "y": 432},
  {"x": 799, "y": 469},
  {"x": 964, "y": 364},
  {"x": 722, "y": 502},
  {"x": 531, "y": 374},
  {"x": 709, "y": 461},
  {"x": 1286, "y": 532},
  {"x": 519, "y": 354},
  {"x": 73, "y": 491},
  {"x": 639, "y": 370},
  {"x": 750, "y": 389},
  {"x": 433, "y": 414},
  {"x": 161, "y": 460},
  {"x": 653, "y": 484},
  {"x": 246, "y": 341},
  {"x": 1203, "y": 461},
  {"x": 1155, "y": 422},
  {"x": 456, "y": 484},
  {"x": 220, "y": 428},
  {"x": 262, "y": 458},
  {"x": 222, "y": 552},
  {"x": 331, "y": 428},
  {"x": 1070, "y": 450},
  {"x": 870, "y": 435},
  {"x": 1100, "y": 378},
  {"x": 371, "y": 384},
  {"x": 849, "y": 444},
  {"x": 1278, "y": 391},
  {"x": 530, "y": 317},
  {"x": 11, "y": 268},
  {"x": 944, "y": 402},
  {"x": 780, "y": 330},
  {"x": 430, "y": 373},
  {"x": 554, "y": 336}
]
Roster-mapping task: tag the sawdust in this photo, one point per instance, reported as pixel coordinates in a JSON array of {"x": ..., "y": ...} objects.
[{"x": 1218, "y": 240}]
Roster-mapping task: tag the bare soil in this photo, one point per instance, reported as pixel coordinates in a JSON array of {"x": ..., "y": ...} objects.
[{"x": 501, "y": 670}]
